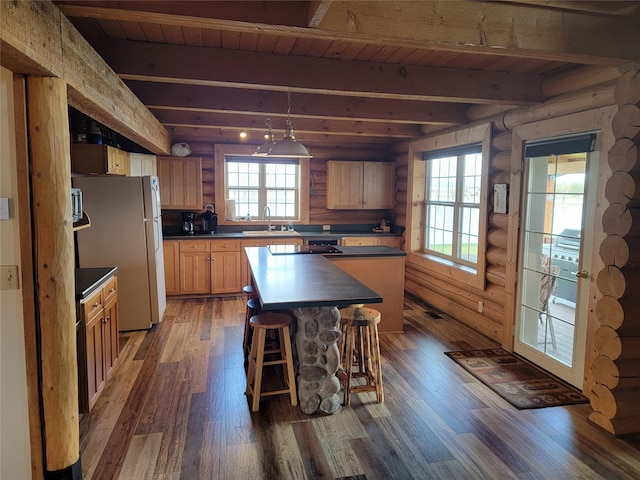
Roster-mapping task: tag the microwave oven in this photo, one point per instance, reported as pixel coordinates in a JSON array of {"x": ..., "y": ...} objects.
[{"x": 76, "y": 204}]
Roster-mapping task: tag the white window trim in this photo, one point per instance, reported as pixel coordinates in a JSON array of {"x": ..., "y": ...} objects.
[
  {"x": 221, "y": 151},
  {"x": 416, "y": 191}
]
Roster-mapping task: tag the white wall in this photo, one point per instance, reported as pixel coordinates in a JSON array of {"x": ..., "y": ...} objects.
[{"x": 15, "y": 458}]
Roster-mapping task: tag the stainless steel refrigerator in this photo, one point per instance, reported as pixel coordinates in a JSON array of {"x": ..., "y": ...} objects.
[{"x": 126, "y": 232}]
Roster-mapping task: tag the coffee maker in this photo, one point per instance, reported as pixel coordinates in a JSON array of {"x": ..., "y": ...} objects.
[
  {"x": 208, "y": 220},
  {"x": 188, "y": 223}
]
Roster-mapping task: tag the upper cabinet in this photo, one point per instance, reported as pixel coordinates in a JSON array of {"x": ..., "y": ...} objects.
[
  {"x": 141, "y": 165},
  {"x": 98, "y": 159},
  {"x": 360, "y": 185},
  {"x": 180, "y": 182}
]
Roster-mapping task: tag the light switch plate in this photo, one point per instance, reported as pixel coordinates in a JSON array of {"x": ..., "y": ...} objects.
[
  {"x": 8, "y": 277},
  {"x": 4, "y": 208}
]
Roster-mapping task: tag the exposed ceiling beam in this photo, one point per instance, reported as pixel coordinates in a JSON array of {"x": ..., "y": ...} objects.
[
  {"x": 37, "y": 34},
  {"x": 302, "y": 126},
  {"x": 240, "y": 69},
  {"x": 304, "y": 105},
  {"x": 494, "y": 27},
  {"x": 488, "y": 28}
]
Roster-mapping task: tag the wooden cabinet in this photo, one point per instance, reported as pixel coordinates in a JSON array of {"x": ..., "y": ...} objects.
[
  {"x": 195, "y": 267},
  {"x": 384, "y": 275},
  {"x": 98, "y": 342},
  {"x": 99, "y": 159},
  {"x": 141, "y": 165},
  {"x": 201, "y": 267},
  {"x": 261, "y": 242},
  {"x": 390, "y": 241},
  {"x": 359, "y": 241},
  {"x": 225, "y": 266},
  {"x": 180, "y": 183},
  {"x": 171, "y": 251},
  {"x": 360, "y": 185}
]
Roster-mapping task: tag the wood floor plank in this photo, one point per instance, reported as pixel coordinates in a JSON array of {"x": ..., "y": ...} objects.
[
  {"x": 175, "y": 348},
  {"x": 315, "y": 462},
  {"x": 140, "y": 461},
  {"x": 437, "y": 421}
]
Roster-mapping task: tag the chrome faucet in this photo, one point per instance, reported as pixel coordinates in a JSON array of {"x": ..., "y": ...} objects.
[{"x": 267, "y": 211}]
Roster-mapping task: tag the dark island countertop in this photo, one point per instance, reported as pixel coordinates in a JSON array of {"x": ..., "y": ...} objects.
[
  {"x": 88, "y": 279},
  {"x": 294, "y": 281}
]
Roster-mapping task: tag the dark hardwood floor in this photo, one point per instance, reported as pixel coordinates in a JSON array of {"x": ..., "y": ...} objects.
[{"x": 175, "y": 409}]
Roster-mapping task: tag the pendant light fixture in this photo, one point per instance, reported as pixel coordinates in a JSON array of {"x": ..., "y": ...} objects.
[
  {"x": 288, "y": 147},
  {"x": 263, "y": 150}
]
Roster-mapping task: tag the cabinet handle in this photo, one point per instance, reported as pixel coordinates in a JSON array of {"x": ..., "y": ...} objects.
[
  {"x": 106, "y": 319},
  {"x": 95, "y": 305},
  {"x": 111, "y": 290}
]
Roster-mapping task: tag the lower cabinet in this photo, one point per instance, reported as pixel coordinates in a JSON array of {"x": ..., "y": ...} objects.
[
  {"x": 202, "y": 267},
  {"x": 390, "y": 241},
  {"x": 98, "y": 342}
]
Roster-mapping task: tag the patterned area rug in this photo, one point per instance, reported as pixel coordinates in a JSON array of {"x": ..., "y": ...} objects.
[{"x": 518, "y": 382}]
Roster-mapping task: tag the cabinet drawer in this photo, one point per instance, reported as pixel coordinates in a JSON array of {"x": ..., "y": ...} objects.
[
  {"x": 194, "y": 246},
  {"x": 92, "y": 305},
  {"x": 225, "y": 246},
  {"x": 110, "y": 290},
  {"x": 359, "y": 241}
]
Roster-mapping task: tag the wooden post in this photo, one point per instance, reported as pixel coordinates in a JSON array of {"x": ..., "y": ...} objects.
[{"x": 54, "y": 265}]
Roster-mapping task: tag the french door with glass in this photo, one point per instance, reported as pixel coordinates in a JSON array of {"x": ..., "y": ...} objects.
[{"x": 554, "y": 260}]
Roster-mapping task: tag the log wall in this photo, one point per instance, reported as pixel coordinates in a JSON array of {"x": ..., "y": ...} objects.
[
  {"x": 316, "y": 190},
  {"x": 615, "y": 395},
  {"x": 612, "y": 371}
]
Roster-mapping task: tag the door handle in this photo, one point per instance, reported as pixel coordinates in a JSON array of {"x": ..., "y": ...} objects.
[{"x": 581, "y": 274}]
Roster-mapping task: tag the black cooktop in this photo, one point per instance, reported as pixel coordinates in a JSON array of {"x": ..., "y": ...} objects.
[{"x": 302, "y": 249}]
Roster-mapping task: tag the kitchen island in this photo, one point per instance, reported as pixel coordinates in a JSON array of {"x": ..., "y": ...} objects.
[{"x": 312, "y": 288}]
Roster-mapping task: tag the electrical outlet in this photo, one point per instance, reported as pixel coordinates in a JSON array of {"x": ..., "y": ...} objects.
[
  {"x": 480, "y": 306},
  {"x": 8, "y": 277},
  {"x": 326, "y": 228}
]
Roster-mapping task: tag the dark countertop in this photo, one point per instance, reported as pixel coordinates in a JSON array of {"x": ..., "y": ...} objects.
[
  {"x": 290, "y": 281},
  {"x": 88, "y": 279},
  {"x": 368, "y": 251},
  {"x": 300, "y": 234}
]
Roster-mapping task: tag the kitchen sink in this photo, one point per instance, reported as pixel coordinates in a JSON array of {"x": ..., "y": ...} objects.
[{"x": 270, "y": 233}]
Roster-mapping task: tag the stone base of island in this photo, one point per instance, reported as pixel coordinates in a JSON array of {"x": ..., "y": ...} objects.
[{"x": 312, "y": 288}]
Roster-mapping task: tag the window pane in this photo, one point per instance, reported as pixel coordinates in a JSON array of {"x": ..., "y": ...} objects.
[
  {"x": 452, "y": 205},
  {"x": 469, "y": 231},
  {"x": 254, "y": 185}
]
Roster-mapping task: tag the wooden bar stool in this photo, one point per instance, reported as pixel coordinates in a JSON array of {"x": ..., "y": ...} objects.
[
  {"x": 261, "y": 324},
  {"x": 361, "y": 349}
]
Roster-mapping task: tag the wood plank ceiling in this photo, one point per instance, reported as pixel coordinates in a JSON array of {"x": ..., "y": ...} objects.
[{"x": 361, "y": 74}]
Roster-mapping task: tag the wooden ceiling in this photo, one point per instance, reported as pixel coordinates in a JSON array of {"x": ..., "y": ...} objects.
[{"x": 361, "y": 74}]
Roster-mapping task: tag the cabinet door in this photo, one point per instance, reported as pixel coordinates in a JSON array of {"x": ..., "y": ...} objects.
[
  {"x": 117, "y": 161},
  {"x": 111, "y": 340},
  {"x": 195, "y": 274},
  {"x": 95, "y": 342},
  {"x": 180, "y": 182},
  {"x": 171, "y": 266},
  {"x": 378, "y": 185},
  {"x": 225, "y": 272},
  {"x": 141, "y": 165},
  {"x": 344, "y": 185}
]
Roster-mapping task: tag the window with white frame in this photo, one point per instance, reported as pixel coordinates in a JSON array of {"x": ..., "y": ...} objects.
[
  {"x": 452, "y": 204},
  {"x": 448, "y": 212},
  {"x": 256, "y": 183}
]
